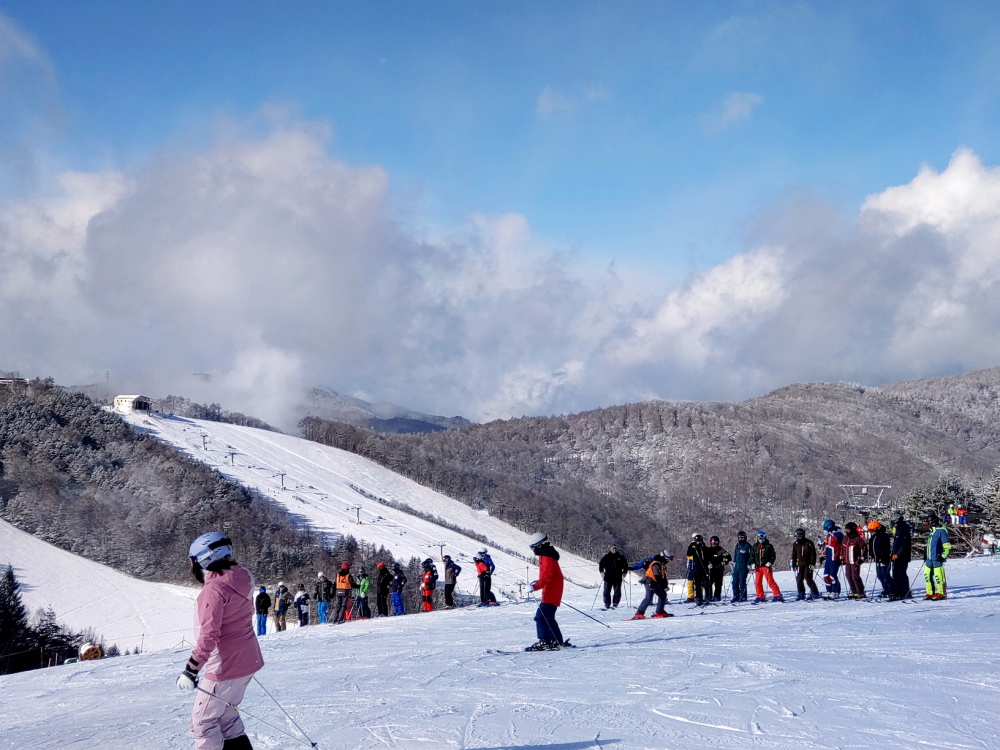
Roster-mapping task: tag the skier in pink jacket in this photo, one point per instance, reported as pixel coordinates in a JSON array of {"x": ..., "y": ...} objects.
[{"x": 226, "y": 653}]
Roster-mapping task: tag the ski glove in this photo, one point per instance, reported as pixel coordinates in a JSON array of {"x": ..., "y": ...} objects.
[{"x": 188, "y": 679}]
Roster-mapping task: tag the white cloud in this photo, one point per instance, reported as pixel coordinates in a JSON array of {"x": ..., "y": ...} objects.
[
  {"x": 735, "y": 109},
  {"x": 271, "y": 265}
]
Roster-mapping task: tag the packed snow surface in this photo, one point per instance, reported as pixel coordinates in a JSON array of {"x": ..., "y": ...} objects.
[
  {"x": 125, "y": 611},
  {"x": 794, "y": 676},
  {"x": 334, "y": 489}
]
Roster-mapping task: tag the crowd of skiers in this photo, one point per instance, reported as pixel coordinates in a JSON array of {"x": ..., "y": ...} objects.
[
  {"x": 838, "y": 549},
  {"x": 346, "y": 597}
]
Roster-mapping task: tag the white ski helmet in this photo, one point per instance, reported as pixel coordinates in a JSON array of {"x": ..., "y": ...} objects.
[
  {"x": 667, "y": 554},
  {"x": 537, "y": 539},
  {"x": 483, "y": 551},
  {"x": 211, "y": 547}
]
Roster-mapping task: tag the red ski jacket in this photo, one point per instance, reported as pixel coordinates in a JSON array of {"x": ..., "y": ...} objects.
[{"x": 550, "y": 578}]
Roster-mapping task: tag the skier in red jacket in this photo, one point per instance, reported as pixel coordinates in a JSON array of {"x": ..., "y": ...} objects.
[{"x": 550, "y": 582}]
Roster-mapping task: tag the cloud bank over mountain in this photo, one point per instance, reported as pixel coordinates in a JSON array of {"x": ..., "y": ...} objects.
[{"x": 273, "y": 266}]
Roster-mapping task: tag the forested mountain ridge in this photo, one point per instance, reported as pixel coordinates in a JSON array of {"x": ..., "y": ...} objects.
[
  {"x": 641, "y": 472},
  {"x": 82, "y": 479}
]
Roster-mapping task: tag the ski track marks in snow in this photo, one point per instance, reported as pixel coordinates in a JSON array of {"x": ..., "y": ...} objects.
[{"x": 820, "y": 676}]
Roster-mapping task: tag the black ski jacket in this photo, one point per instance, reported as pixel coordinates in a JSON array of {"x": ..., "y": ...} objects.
[
  {"x": 613, "y": 566},
  {"x": 763, "y": 553},
  {"x": 716, "y": 559},
  {"x": 901, "y": 542},
  {"x": 803, "y": 554},
  {"x": 262, "y": 604},
  {"x": 696, "y": 554},
  {"x": 880, "y": 547},
  {"x": 383, "y": 580}
]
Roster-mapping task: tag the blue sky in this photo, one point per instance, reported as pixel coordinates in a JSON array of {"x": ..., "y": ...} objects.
[
  {"x": 678, "y": 144},
  {"x": 631, "y": 159}
]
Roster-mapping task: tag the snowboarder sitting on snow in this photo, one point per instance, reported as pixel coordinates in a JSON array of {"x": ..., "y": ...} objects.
[
  {"x": 742, "y": 559},
  {"x": 654, "y": 578},
  {"x": 451, "y": 572},
  {"x": 697, "y": 557},
  {"x": 716, "y": 559},
  {"x": 550, "y": 583},
  {"x": 282, "y": 601},
  {"x": 398, "y": 581},
  {"x": 880, "y": 550},
  {"x": 613, "y": 567},
  {"x": 831, "y": 564},
  {"x": 938, "y": 549},
  {"x": 262, "y": 605},
  {"x": 852, "y": 555},
  {"x": 302, "y": 605},
  {"x": 803, "y": 562},
  {"x": 427, "y": 585},
  {"x": 226, "y": 653},
  {"x": 323, "y": 593},
  {"x": 763, "y": 560},
  {"x": 345, "y": 585},
  {"x": 383, "y": 585}
]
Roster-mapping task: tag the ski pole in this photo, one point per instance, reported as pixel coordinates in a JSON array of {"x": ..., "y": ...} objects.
[
  {"x": 586, "y": 615},
  {"x": 249, "y": 715},
  {"x": 867, "y": 576},
  {"x": 594, "y": 603},
  {"x": 294, "y": 723}
]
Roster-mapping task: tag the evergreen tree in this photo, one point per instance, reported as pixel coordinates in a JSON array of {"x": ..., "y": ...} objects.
[{"x": 15, "y": 631}]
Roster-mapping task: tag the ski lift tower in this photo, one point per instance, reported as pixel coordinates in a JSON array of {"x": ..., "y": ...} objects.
[{"x": 865, "y": 499}]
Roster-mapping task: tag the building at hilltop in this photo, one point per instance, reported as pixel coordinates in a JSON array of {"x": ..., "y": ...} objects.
[{"x": 126, "y": 404}]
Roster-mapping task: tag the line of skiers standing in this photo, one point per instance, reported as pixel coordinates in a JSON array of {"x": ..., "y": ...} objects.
[
  {"x": 846, "y": 549},
  {"x": 349, "y": 595}
]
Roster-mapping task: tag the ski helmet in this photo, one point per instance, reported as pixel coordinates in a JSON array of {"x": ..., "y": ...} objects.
[
  {"x": 741, "y": 535},
  {"x": 829, "y": 525},
  {"x": 850, "y": 526},
  {"x": 447, "y": 557},
  {"x": 874, "y": 525},
  {"x": 477, "y": 558},
  {"x": 345, "y": 566},
  {"x": 281, "y": 585},
  {"x": 263, "y": 589},
  {"x": 762, "y": 535},
  {"x": 320, "y": 575},
  {"x": 211, "y": 547},
  {"x": 483, "y": 551},
  {"x": 427, "y": 563},
  {"x": 714, "y": 540},
  {"x": 537, "y": 540},
  {"x": 933, "y": 519},
  {"x": 395, "y": 566},
  {"x": 800, "y": 533},
  {"x": 381, "y": 565},
  {"x": 697, "y": 537},
  {"x": 667, "y": 554}
]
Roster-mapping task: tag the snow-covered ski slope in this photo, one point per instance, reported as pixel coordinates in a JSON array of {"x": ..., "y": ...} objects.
[
  {"x": 326, "y": 485},
  {"x": 795, "y": 676},
  {"x": 125, "y": 611}
]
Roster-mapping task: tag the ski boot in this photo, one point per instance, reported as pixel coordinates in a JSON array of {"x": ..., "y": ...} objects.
[
  {"x": 800, "y": 597},
  {"x": 662, "y": 614},
  {"x": 637, "y": 617},
  {"x": 778, "y": 598},
  {"x": 543, "y": 645},
  {"x": 237, "y": 743},
  {"x": 759, "y": 600}
]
